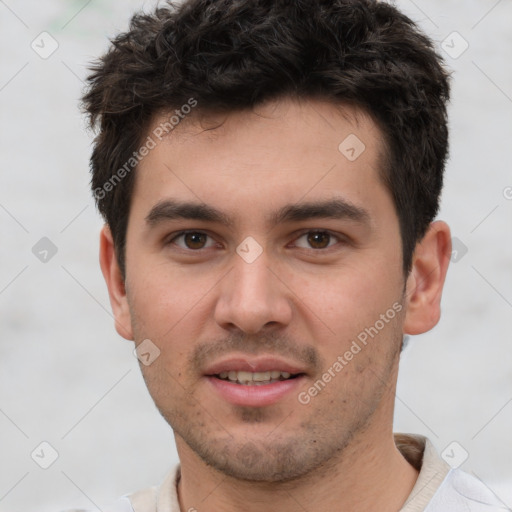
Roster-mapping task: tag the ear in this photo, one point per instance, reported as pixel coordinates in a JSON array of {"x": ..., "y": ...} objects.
[
  {"x": 426, "y": 279},
  {"x": 115, "y": 284}
]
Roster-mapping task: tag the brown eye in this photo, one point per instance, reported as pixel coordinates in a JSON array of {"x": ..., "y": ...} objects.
[
  {"x": 319, "y": 240},
  {"x": 193, "y": 240},
  {"x": 316, "y": 240}
]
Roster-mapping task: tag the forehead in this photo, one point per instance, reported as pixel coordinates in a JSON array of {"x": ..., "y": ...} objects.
[
  {"x": 284, "y": 150},
  {"x": 312, "y": 120}
]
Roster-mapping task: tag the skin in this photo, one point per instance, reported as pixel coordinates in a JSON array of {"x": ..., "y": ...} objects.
[{"x": 303, "y": 299}]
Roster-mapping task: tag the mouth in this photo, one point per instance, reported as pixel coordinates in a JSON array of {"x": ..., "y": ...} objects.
[
  {"x": 245, "y": 378},
  {"x": 254, "y": 381}
]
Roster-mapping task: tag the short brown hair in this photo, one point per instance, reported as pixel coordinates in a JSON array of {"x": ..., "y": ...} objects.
[{"x": 231, "y": 55}]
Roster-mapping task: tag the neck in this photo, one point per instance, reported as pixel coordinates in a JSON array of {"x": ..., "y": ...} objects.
[{"x": 369, "y": 475}]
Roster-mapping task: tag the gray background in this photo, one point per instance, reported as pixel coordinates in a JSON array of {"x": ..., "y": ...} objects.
[{"x": 68, "y": 379}]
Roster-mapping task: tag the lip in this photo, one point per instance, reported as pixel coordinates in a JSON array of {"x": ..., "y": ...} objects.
[
  {"x": 254, "y": 395},
  {"x": 260, "y": 364}
]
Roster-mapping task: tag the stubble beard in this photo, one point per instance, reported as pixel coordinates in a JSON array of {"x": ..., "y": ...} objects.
[{"x": 316, "y": 445}]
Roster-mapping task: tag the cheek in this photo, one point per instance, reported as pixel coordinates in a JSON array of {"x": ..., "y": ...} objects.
[
  {"x": 350, "y": 297},
  {"x": 157, "y": 300},
  {"x": 171, "y": 304}
]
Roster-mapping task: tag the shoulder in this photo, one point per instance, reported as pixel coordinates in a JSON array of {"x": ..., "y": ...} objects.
[
  {"x": 144, "y": 500},
  {"x": 121, "y": 505},
  {"x": 462, "y": 491},
  {"x": 161, "y": 498}
]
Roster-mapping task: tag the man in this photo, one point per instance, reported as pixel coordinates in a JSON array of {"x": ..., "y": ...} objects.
[{"x": 269, "y": 173}]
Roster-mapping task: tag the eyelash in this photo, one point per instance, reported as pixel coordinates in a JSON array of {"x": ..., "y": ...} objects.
[{"x": 300, "y": 235}]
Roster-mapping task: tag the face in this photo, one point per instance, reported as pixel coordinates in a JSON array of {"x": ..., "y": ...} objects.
[{"x": 264, "y": 262}]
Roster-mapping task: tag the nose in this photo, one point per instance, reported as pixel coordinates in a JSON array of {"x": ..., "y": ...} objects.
[{"x": 252, "y": 298}]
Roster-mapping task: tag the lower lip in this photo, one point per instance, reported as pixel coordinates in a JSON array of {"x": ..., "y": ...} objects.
[{"x": 255, "y": 395}]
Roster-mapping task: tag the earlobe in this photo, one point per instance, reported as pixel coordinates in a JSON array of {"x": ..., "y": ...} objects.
[
  {"x": 115, "y": 284},
  {"x": 426, "y": 279}
]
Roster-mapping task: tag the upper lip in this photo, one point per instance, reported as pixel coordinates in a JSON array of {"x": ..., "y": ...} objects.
[{"x": 260, "y": 364}]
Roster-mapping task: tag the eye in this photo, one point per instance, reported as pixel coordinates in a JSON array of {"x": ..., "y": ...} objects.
[
  {"x": 193, "y": 240},
  {"x": 316, "y": 240}
]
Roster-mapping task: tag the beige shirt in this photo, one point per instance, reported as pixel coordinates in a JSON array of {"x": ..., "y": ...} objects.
[{"x": 417, "y": 450}]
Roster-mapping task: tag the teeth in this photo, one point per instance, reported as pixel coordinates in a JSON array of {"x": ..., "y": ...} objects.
[
  {"x": 263, "y": 376},
  {"x": 254, "y": 378},
  {"x": 243, "y": 376}
]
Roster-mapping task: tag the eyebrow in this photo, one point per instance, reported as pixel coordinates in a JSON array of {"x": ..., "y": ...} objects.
[{"x": 339, "y": 209}]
